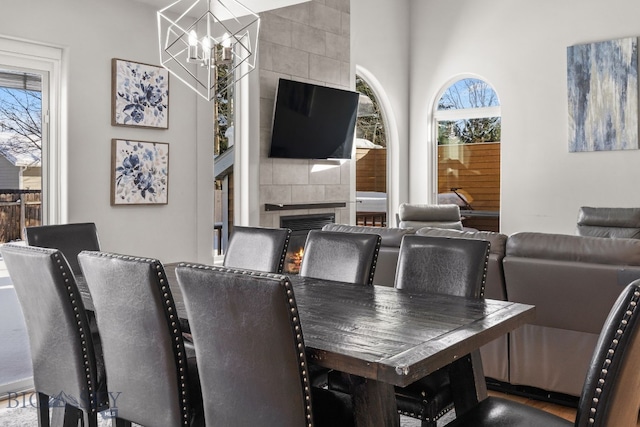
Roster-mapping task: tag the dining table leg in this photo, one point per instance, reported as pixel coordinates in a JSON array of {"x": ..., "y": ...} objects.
[
  {"x": 374, "y": 403},
  {"x": 468, "y": 385}
]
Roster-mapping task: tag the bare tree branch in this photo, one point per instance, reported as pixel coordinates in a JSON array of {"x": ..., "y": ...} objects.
[{"x": 20, "y": 121}]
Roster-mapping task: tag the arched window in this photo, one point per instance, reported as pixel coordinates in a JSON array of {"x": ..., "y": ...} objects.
[
  {"x": 371, "y": 159},
  {"x": 468, "y": 123}
]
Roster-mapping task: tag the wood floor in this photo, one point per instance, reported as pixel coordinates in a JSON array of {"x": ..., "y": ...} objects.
[
  {"x": 559, "y": 410},
  {"x": 562, "y": 411}
]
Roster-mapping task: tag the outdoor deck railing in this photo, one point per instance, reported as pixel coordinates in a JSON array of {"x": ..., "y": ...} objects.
[{"x": 18, "y": 209}]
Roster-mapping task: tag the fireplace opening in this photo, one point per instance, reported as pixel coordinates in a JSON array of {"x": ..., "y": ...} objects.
[{"x": 300, "y": 225}]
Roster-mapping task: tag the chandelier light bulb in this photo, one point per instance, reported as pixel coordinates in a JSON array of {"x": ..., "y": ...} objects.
[
  {"x": 206, "y": 49},
  {"x": 226, "y": 40},
  {"x": 193, "y": 38},
  {"x": 193, "y": 47}
]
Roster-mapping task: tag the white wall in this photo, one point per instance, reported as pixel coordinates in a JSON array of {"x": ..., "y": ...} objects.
[
  {"x": 380, "y": 46},
  {"x": 92, "y": 32},
  {"x": 520, "y": 48}
]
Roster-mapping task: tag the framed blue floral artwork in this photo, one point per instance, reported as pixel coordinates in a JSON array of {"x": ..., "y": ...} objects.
[
  {"x": 139, "y": 172},
  {"x": 140, "y": 95}
]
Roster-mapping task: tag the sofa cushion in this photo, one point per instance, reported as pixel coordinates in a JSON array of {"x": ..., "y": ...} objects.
[{"x": 564, "y": 247}]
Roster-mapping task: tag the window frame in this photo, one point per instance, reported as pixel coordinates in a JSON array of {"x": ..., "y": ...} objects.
[
  {"x": 454, "y": 115},
  {"x": 46, "y": 61}
]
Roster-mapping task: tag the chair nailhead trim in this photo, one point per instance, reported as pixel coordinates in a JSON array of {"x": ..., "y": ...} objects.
[
  {"x": 80, "y": 315},
  {"x": 375, "y": 261},
  {"x": 284, "y": 252},
  {"x": 622, "y": 328},
  {"x": 169, "y": 308}
]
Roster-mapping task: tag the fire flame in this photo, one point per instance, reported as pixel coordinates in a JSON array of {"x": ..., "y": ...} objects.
[
  {"x": 294, "y": 260},
  {"x": 297, "y": 257}
]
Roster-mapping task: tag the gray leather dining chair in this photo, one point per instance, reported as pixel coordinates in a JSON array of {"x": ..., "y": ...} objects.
[
  {"x": 257, "y": 248},
  {"x": 250, "y": 349},
  {"x": 610, "y": 393},
  {"x": 438, "y": 265},
  {"x": 70, "y": 239},
  {"x": 144, "y": 353},
  {"x": 67, "y": 361},
  {"x": 343, "y": 257},
  {"x": 433, "y": 265}
]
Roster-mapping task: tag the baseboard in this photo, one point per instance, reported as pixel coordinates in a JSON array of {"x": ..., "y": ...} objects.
[{"x": 17, "y": 387}]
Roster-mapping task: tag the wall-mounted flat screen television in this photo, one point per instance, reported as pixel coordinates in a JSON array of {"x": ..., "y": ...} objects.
[{"x": 313, "y": 122}]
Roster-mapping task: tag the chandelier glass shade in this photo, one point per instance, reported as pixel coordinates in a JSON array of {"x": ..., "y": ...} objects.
[{"x": 208, "y": 44}]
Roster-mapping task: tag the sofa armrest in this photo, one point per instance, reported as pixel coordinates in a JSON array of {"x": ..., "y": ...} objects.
[{"x": 575, "y": 296}]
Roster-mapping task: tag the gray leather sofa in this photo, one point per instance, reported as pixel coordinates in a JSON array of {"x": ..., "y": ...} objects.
[
  {"x": 389, "y": 248},
  {"x": 573, "y": 281},
  {"x": 495, "y": 355},
  {"x": 609, "y": 222}
]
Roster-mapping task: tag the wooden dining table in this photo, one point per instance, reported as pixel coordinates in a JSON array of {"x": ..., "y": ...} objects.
[{"x": 383, "y": 337}]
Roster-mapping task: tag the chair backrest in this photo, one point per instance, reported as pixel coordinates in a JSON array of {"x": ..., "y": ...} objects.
[
  {"x": 390, "y": 239},
  {"x": 257, "y": 248},
  {"x": 70, "y": 239},
  {"x": 249, "y": 346},
  {"x": 443, "y": 265},
  {"x": 344, "y": 257},
  {"x": 421, "y": 215},
  {"x": 62, "y": 347},
  {"x": 610, "y": 395},
  {"x": 142, "y": 342}
]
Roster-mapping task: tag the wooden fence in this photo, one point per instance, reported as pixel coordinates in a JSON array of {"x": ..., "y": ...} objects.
[
  {"x": 18, "y": 209},
  {"x": 473, "y": 169},
  {"x": 371, "y": 169}
]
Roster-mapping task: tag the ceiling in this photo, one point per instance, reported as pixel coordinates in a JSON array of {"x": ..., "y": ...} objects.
[{"x": 255, "y": 5}]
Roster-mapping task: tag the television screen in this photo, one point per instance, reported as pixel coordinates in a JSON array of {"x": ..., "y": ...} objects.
[{"x": 313, "y": 122}]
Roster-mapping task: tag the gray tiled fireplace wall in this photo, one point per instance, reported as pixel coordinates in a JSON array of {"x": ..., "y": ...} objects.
[{"x": 305, "y": 42}]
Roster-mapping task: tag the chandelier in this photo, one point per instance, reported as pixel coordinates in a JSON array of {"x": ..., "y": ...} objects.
[{"x": 208, "y": 44}]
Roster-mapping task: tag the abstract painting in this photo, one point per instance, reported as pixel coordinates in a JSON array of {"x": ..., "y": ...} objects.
[
  {"x": 139, "y": 172},
  {"x": 140, "y": 95},
  {"x": 603, "y": 95}
]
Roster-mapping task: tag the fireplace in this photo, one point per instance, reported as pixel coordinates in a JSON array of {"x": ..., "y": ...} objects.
[{"x": 300, "y": 226}]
